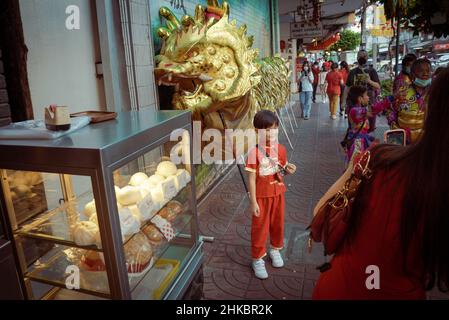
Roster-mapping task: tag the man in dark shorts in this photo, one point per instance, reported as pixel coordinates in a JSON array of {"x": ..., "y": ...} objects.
[{"x": 366, "y": 76}]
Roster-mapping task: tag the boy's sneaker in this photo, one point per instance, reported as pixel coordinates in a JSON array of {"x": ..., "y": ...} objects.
[
  {"x": 276, "y": 258},
  {"x": 259, "y": 269}
]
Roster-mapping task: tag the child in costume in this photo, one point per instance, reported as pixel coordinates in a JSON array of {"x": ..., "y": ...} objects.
[{"x": 266, "y": 166}]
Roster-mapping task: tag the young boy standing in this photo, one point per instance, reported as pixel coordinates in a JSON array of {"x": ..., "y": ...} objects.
[{"x": 266, "y": 165}]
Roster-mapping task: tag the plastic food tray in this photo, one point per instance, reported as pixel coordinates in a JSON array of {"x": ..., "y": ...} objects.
[{"x": 168, "y": 279}]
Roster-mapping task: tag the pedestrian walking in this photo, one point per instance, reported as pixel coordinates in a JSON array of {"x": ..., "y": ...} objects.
[
  {"x": 334, "y": 81},
  {"x": 306, "y": 85}
]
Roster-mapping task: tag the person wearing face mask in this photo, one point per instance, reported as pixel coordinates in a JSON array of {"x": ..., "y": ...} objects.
[
  {"x": 410, "y": 102},
  {"x": 403, "y": 79},
  {"x": 306, "y": 84},
  {"x": 364, "y": 76}
]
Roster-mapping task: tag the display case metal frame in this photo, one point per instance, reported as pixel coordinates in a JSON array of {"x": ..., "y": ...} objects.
[{"x": 97, "y": 151}]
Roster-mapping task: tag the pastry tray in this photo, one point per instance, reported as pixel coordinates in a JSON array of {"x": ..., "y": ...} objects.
[{"x": 96, "y": 116}]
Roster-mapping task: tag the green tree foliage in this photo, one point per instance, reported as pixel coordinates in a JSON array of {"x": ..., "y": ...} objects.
[
  {"x": 427, "y": 16},
  {"x": 349, "y": 40}
]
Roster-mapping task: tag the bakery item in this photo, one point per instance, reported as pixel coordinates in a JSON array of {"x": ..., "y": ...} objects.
[
  {"x": 136, "y": 212},
  {"x": 93, "y": 218},
  {"x": 137, "y": 179},
  {"x": 153, "y": 234},
  {"x": 158, "y": 196},
  {"x": 89, "y": 209},
  {"x": 155, "y": 179},
  {"x": 176, "y": 206},
  {"x": 129, "y": 195},
  {"x": 182, "y": 178},
  {"x": 146, "y": 186},
  {"x": 93, "y": 261},
  {"x": 166, "y": 169},
  {"x": 84, "y": 233},
  {"x": 167, "y": 214},
  {"x": 138, "y": 253},
  {"x": 148, "y": 208},
  {"x": 168, "y": 187},
  {"x": 129, "y": 224},
  {"x": 22, "y": 190},
  {"x": 171, "y": 211}
]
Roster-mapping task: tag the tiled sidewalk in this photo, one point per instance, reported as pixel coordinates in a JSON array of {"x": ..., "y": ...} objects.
[{"x": 224, "y": 216}]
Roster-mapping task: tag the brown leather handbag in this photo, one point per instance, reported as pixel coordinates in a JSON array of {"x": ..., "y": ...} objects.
[{"x": 330, "y": 224}]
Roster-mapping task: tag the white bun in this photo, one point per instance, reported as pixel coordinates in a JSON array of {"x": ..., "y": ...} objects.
[
  {"x": 90, "y": 209},
  {"x": 136, "y": 212},
  {"x": 166, "y": 168},
  {"x": 85, "y": 233},
  {"x": 137, "y": 179},
  {"x": 129, "y": 195},
  {"x": 22, "y": 190},
  {"x": 156, "y": 178}
]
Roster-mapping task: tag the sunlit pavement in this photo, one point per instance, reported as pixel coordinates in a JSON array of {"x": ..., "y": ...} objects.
[{"x": 224, "y": 216}]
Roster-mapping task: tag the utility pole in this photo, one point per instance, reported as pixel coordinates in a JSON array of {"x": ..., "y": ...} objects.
[
  {"x": 363, "y": 31},
  {"x": 398, "y": 34},
  {"x": 375, "y": 40}
]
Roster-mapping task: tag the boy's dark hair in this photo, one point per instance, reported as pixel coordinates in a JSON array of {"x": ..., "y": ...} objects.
[
  {"x": 265, "y": 119},
  {"x": 354, "y": 93}
]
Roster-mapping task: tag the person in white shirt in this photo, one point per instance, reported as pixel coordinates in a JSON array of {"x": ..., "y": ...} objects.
[
  {"x": 305, "y": 78},
  {"x": 323, "y": 84}
]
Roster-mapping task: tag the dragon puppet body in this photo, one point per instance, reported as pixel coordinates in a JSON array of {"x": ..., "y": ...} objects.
[{"x": 214, "y": 69}]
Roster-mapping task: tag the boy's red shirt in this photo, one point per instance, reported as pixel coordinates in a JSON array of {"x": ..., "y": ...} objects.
[{"x": 266, "y": 183}]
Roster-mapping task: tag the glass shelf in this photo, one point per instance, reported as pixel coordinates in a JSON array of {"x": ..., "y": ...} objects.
[
  {"x": 51, "y": 269},
  {"x": 158, "y": 251},
  {"x": 55, "y": 225}
]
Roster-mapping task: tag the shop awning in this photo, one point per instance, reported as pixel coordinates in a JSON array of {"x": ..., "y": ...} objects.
[{"x": 325, "y": 44}]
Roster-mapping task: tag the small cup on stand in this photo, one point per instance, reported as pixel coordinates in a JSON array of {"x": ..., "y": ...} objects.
[{"x": 57, "y": 118}]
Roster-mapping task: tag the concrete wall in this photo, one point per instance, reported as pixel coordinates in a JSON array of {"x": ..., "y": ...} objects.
[
  {"x": 61, "y": 62},
  {"x": 141, "y": 60}
]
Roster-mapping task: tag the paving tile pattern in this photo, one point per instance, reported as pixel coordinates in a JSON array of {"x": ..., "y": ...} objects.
[{"x": 224, "y": 215}]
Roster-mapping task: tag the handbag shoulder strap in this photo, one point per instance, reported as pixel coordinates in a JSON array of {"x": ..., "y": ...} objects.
[{"x": 361, "y": 167}]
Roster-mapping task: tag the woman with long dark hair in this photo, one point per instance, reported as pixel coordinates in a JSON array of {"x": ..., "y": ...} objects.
[{"x": 398, "y": 242}]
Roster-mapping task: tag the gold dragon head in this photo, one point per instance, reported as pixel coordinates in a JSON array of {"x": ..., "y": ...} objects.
[{"x": 208, "y": 59}]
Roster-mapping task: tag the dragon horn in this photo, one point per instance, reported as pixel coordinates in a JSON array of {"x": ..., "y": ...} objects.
[
  {"x": 226, "y": 8},
  {"x": 163, "y": 33},
  {"x": 173, "y": 22},
  {"x": 187, "y": 21},
  {"x": 199, "y": 14}
]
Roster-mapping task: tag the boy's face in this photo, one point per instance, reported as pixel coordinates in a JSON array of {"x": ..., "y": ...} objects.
[{"x": 271, "y": 135}]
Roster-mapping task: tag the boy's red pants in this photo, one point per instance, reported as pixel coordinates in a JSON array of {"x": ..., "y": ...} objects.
[{"x": 270, "y": 220}]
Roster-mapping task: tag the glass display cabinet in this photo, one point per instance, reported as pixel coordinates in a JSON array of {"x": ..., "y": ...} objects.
[{"x": 108, "y": 211}]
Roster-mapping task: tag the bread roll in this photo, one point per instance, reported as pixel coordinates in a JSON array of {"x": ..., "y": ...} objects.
[
  {"x": 137, "y": 179},
  {"x": 90, "y": 209},
  {"x": 155, "y": 179},
  {"x": 85, "y": 232},
  {"x": 176, "y": 206},
  {"x": 153, "y": 234},
  {"x": 22, "y": 190},
  {"x": 138, "y": 253},
  {"x": 136, "y": 212},
  {"x": 129, "y": 195},
  {"x": 166, "y": 169}
]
